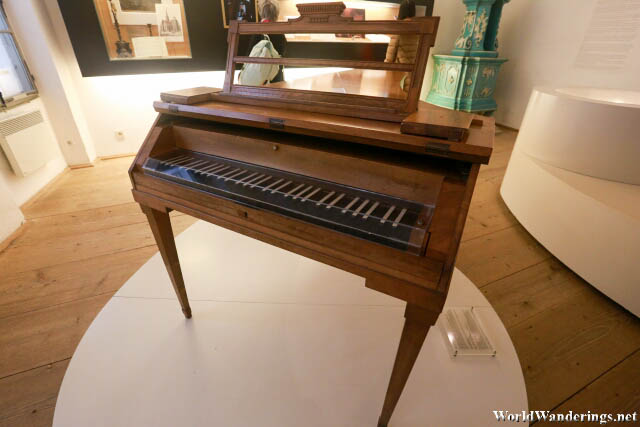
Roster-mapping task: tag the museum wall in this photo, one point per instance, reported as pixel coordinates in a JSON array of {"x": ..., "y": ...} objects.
[
  {"x": 543, "y": 40},
  {"x": 120, "y": 103},
  {"x": 30, "y": 22},
  {"x": 540, "y": 38},
  {"x": 14, "y": 190},
  {"x": 124, "y": 103},
  {"x": 23, "y": 188},
  {"x": 10, "y": 215}
]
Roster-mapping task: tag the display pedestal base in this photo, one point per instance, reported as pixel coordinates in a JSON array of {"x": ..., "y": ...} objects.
[
  {"x": 592, "y": 225},
  {"x": 275, "y": 340},
  {"x": 464, "y": 83}
]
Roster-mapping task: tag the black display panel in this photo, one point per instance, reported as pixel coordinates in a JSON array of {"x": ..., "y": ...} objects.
[{"x": 208, "y": 40}]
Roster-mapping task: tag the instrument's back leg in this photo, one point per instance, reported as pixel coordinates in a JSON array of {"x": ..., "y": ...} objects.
[
  {"x": 416, "y": 325},
  {"x": 160, "y": 224}
]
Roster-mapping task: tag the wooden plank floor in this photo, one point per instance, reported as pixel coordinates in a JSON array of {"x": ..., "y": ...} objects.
[{"x": 84, "y": 237}]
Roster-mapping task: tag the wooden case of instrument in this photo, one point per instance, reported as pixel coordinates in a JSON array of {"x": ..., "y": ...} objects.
[
  {"x": 292, "y": 134},
  {"x": 366, "y": 154}
]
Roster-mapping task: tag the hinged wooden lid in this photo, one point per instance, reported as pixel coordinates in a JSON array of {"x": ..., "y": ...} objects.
[
  {"x": 438, "y": 122},
  {"x": 475, "y": 148}
]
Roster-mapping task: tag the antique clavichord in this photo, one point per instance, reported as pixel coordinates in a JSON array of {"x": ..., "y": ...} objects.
[{"x": 347, "y": 179}]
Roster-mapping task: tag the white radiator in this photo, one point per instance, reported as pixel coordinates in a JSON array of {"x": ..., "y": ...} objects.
[{"x": 27, "y": 142}]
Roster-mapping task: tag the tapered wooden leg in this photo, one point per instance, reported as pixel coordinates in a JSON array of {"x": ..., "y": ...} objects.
[
  {"x": 161, "y": 227},
  {"x": 416, "y": 325}
]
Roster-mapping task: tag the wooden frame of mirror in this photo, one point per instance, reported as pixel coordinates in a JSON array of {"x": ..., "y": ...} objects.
[{"x": 325, "y": 18}]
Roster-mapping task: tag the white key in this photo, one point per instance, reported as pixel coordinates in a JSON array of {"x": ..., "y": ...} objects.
[
  {"x": 386, "y": 215},
  {"x": 336, "y": 200},
  {"x": 196, "y": 167},
  {"x": 280, "y": 187},
  {"x": 179, "y": 162},
  {"x": 248, "y": 177},
  {"x": 199, "y": 164},
  {"x": 192, "y": 164},
  {"x": 310, "y": 195},
  {"x": 266, "y": 178},
  {"x": 235, "y": 174},
  {"x": 371, "y": 209},
  {"x": 351, "y": 203},
  {"x": 325, "y": 198},
  {"x": 357, "y": 211},
  {"x": 174, "y": 159},
  {"x": 294, "y": 189},
  {"x": 399, "y": 217},
  {"x": 187, "y": 164},
  {"x": 253, "y": 180},
  {"x": 228, "y": 173},
  {"x": 218, "y": 170},
  {"x": 210, "y": 167},
  {"x": 272, "y": 184},
  {"x": 302, "y": 192},
  {"x": 171, "y": 159}
]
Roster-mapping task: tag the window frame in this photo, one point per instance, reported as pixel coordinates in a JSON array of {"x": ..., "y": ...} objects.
[{"x": 22, "y": 97}]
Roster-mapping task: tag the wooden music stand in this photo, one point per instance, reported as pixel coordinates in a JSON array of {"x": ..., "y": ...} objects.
[{"x": 324, "y": 18}]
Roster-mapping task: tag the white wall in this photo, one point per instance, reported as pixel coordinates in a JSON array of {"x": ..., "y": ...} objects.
[
  {"x": 34, "y": 30},
  {"x": 119, "y": 103},
  {"x": 125, "y": 103},
  {"x": 23, "y": 188},
  {"x": 541, "y": 39},
  {"x": 10, "y": 215}
]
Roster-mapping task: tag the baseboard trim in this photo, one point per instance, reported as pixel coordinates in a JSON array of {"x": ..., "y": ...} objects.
[
  {"x": 507, "y": 127},
  {"x": 11, "y": 237},
  {"x": 117, "y": 156},
  {"x": 81, "y": 166},
  {"x": 43, "y": 190}
]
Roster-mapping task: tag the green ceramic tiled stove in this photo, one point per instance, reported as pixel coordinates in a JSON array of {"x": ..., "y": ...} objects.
[{"x": 466, "y": 79}]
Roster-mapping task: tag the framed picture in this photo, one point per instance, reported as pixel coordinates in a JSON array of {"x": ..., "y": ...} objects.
[
  {"x": 143, "y": 29},
  {"x": 170, "y": 25},
  {"x": 138, "y": 5},
  {"x": 136, "y": 12},
  {"x": 239, "y": 10}
]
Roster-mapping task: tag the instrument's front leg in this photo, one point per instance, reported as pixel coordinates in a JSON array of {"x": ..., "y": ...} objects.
[
  {"x": 416, "y": 325},
  {"x": 161, "y": 226}
]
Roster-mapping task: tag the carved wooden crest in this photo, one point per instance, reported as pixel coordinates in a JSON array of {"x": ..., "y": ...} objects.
[{"x": 321, "y": 12}]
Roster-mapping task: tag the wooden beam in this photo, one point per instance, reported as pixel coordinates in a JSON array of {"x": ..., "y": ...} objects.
[{"x": 343, "y": 63}]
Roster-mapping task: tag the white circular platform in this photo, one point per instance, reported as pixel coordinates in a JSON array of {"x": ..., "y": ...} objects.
[{"x": 275, "y": 340}]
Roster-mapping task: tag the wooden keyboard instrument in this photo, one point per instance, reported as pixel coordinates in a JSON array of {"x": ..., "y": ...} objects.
[{"x": 352, "y": 192}]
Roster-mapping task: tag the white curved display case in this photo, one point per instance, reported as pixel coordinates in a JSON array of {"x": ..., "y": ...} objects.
[{"x": 573, "y": 181}]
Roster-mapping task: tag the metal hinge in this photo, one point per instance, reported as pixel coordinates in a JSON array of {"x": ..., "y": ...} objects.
[
  {"x": 276, "y": 123},
  {"x": 437, "y": 147}
]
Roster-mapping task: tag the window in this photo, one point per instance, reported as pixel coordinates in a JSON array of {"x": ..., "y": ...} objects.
[{"x": 16, "y": 82}]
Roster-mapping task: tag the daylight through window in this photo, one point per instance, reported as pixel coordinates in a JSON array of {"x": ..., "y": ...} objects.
[{"x": 16, "y": 83}]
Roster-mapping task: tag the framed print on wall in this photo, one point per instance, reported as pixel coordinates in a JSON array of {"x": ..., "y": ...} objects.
[
  {"x": 151, "y": 36},
  {"x": 136, "y": 12},
  {"x": 144, "y": 29}
]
